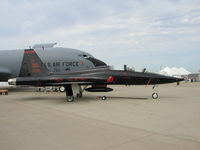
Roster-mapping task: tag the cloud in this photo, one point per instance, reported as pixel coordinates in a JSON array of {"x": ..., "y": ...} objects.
[{"x": 107, "y": 27}]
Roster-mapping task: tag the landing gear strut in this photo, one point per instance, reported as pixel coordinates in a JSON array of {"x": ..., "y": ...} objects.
[
  {"x": 72, "y": 91},
  {"x": 154, "y": 94},
  {"x": 69, "y": 93}
]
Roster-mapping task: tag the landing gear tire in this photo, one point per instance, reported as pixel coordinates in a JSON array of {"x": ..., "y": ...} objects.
[
  {"x": 62, "y": 89},
  {"x": 155, "y": 95},
  {"x": 70, "y": 98},
  {"x": 103, "y": 98}
]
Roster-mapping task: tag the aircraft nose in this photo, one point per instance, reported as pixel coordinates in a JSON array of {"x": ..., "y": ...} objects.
[
  {"x": 179, "y": 79},
  {"x": 12, "y": 81}
]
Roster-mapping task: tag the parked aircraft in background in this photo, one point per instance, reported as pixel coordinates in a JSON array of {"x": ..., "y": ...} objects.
[
  {"x": 56, "y": 60},
  {"x": 34, "y": 72}
]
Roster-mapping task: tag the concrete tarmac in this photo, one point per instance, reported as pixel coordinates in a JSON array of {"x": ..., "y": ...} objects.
[{"x": 129, "y": 119}]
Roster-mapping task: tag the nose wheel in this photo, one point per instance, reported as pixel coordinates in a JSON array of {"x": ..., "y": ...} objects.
[
  {"x": 155, "y": 95},
  {"x": 103, "y": 98},
  {"x": 70, "y": 98}
]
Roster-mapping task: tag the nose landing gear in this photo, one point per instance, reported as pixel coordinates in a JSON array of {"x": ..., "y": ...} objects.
[
  {"x": 69, "y": 93},
  {"x": 155, "y": 94},
  {"x": 103, "y": 98}
]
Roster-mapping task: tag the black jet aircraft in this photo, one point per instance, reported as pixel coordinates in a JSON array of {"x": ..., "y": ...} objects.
[{"x": 34, "y": 73}]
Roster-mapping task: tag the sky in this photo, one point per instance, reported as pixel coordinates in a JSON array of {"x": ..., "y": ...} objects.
[{"x": 148, "y": 34}]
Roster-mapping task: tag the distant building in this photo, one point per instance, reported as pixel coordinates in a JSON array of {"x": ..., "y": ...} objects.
[
  {"x": 194, "y": 77},
  {"x": 175, "y": 72}
]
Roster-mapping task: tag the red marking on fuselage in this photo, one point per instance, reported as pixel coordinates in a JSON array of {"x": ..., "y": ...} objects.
[
  {"x": 35, "y": 65},
  {"x": 77, "y": 79},
  {"x": 59, "y": 80},
  {"x": 110, "y": 79},
  {"x": 81, "y": 62},
  {"x": 36, "y": 70},
  {"x": 81, "y": 79},
  {"x": 29, "y": 52}
]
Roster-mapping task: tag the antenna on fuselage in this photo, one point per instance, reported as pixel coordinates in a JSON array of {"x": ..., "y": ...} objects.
[
  {"x": 125, "y": 67},
  {"x": 144, "y": 70},
  {"x": 45, "y": 45}
]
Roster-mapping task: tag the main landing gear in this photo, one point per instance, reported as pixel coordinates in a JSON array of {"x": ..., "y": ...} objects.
[
  {"x": 72, "y": 91},
  {"x": 155, "y": 94},
  {"x": 69, "y": 93}
]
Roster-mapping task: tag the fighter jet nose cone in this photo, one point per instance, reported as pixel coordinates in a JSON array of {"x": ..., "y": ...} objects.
[{"x": 12, "y": 81}]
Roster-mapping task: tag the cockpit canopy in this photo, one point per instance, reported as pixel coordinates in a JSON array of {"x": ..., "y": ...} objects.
[{"x": 92, "y": 59}]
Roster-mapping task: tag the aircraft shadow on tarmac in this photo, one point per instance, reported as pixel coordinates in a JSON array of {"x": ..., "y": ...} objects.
[
  {"x": 52, "y": 99},
  {"x": 83, "y": 99},
  {"x": 122, "y": 98}
]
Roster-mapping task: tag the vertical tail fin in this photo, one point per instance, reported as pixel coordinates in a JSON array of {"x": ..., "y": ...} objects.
[{"x": 32, "y": 66}]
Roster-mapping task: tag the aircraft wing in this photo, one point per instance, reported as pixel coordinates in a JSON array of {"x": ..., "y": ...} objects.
[
  {"x": 84, "y": 78},
  {"x": 97, "y": 77}
]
